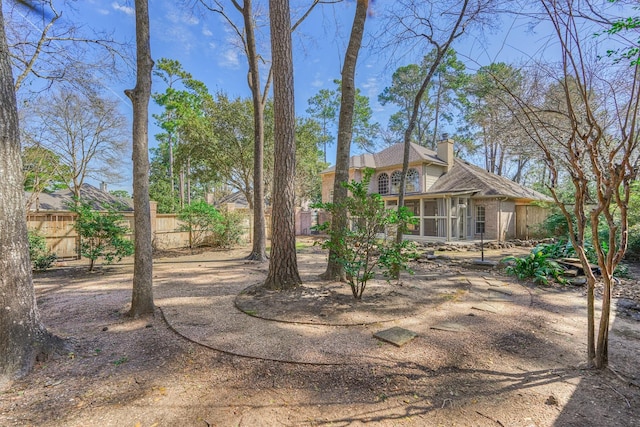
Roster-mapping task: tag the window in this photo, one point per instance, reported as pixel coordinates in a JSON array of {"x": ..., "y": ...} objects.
[
  {"x": 396, "y": 178},
  {"x": 480, "y": 217},
  {"x": 383, "y": 184},
  {"x": 413, "y": 181}
]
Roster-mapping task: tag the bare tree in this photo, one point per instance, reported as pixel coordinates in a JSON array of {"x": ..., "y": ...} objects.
[
  {"x": 46, "y": 46},
  {"x": 283, "y": 264},
  {"x": 22, "y": 334},
  {"x": 142, "y": 297},
  {"x": 86, "y": 131},
  {"x": 428, "y": 27},
  {"x": 335, "y": 271},
  {"x": 587, "y": 129}
]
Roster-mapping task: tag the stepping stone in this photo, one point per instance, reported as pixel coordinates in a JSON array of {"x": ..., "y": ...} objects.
[
  {"x": 484, "y": 263},
  {"x": 500, "y": 290},
  {"x": 450, "y": 327},
  {"x": 499, "y": 297},
  {"x": 477, "y": 282},
  {"x": 484, "y": 307},
  {"x": 396, "y": 336}
]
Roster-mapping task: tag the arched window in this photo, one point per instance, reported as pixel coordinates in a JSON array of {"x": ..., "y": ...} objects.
[
  {"x": 383, "y": 183},
  {"x": 413, "y": 181},
  {"x": 396, "y": 178}
]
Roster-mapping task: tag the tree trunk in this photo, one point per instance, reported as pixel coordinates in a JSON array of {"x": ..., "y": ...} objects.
[
  {"x": 283, "y": 265},
  {"x": 23, "y": 338},
  {"x": 181, "y": 184},
  {"x": 142, "y": 298},
  {"x": 188, "y": 180},
  {"x": 335, "y": 271},
  {"x": 441, "y": 50},
  {"x": 259, "y": 250},
  {"x": 171, "y": 177}
]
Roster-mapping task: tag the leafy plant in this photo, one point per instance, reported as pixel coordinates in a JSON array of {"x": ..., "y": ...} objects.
[
  {"x": 41, "y": 257},
  {"x": 120, "y": 361},
  {"x": 101, "y": 234},
  {"x": 228, "y": 230},
  {"x": 206, "y": 224},
  {"x": 359, "y": 249},
  {"x": 536, "y": 265}
]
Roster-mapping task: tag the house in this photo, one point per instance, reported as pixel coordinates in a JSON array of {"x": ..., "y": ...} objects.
[
  {"x": 60, "y": 200},
  {"x": 453, "y": 199}
]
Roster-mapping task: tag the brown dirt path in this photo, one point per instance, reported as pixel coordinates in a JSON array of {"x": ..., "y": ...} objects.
[{"x": 520, "y": 366}]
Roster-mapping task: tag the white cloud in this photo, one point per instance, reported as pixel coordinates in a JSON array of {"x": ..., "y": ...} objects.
[
  {"x": 229, "y": 59},
  {"x": 206, "y": 32},
  {"x": 212, "y": 45},
  {"x": 123, "y": 8},
  {"x": 103, "y": 11},
  {"x": 179, "y": 17},
  {"x": 371, "y": 87},
  {"x": 317, "y": 81}
]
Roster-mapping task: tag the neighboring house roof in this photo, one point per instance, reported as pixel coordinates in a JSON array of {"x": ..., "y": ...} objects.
[
  {"x": 236, "y": 197},
  {"x": 392, "y": 156},
  {"x": 59, "y": 200},
  {"x": 464, "y": 176}
]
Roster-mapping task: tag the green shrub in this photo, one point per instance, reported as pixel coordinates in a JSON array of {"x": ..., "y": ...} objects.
[
  {"x": 41, "y": 257},
  {"x": 358, "y": 248},
  {"x": 200, "y": 219},
  {"x": 537, "y": 265},
  {"x": 228, "y": 230},
  {"x": 101, "y": 234},
  {"x": 208, "y": 226}
]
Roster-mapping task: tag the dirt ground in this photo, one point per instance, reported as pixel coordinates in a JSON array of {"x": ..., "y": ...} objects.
[{"x": 520, "y": 365}]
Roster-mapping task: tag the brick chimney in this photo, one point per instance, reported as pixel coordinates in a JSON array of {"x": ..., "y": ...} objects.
[{"x": 445, "y": 150}]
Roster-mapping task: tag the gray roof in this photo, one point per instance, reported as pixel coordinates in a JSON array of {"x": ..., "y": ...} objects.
[
  {"x": 59, "y": 200},
  {"x": 464, "y": 176},
  {"x": 392, "y": 156}
]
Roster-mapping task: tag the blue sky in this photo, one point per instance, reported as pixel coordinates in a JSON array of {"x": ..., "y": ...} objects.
[{"x": 206, "y": 47}]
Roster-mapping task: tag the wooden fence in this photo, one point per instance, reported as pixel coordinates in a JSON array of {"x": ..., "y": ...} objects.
[
  {"x": 58, "y": 229},
  {"x": 528, "y": 220}
]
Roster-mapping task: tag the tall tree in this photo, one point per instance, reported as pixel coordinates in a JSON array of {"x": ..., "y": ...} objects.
[
  {"x": 491, "y": 112},
  {"x": 436, "y": 26},
  {"x": 86, "y": 131},
  {"x": 309, "y": 162},
  {"x": 587, "y": 127},
  {"x": 443, "y": 97},
  {"x": 182, "y": 101},
  {"x": 222, "y": 142},
  {"x": 246, "y": 34},
  {"x": 22, "y": 334},
  {"x": 323, "y": 107},
  {"x": 283, "y": 263},
  {"x": 142, "y": 295},
  {"x": 335, "y": 271}
]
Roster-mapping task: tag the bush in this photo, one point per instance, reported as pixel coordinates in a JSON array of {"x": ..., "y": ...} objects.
[
  {"x": 536, "y": 265},
  {"x": 228, "y": 230},
  {"x": 633, "y": 248},
  {"x": 101, "y": 234},
  {"x": 207, "y": 225},
  {"x": 41, "y": 257},
  {"x": 358, "y": 249}
]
